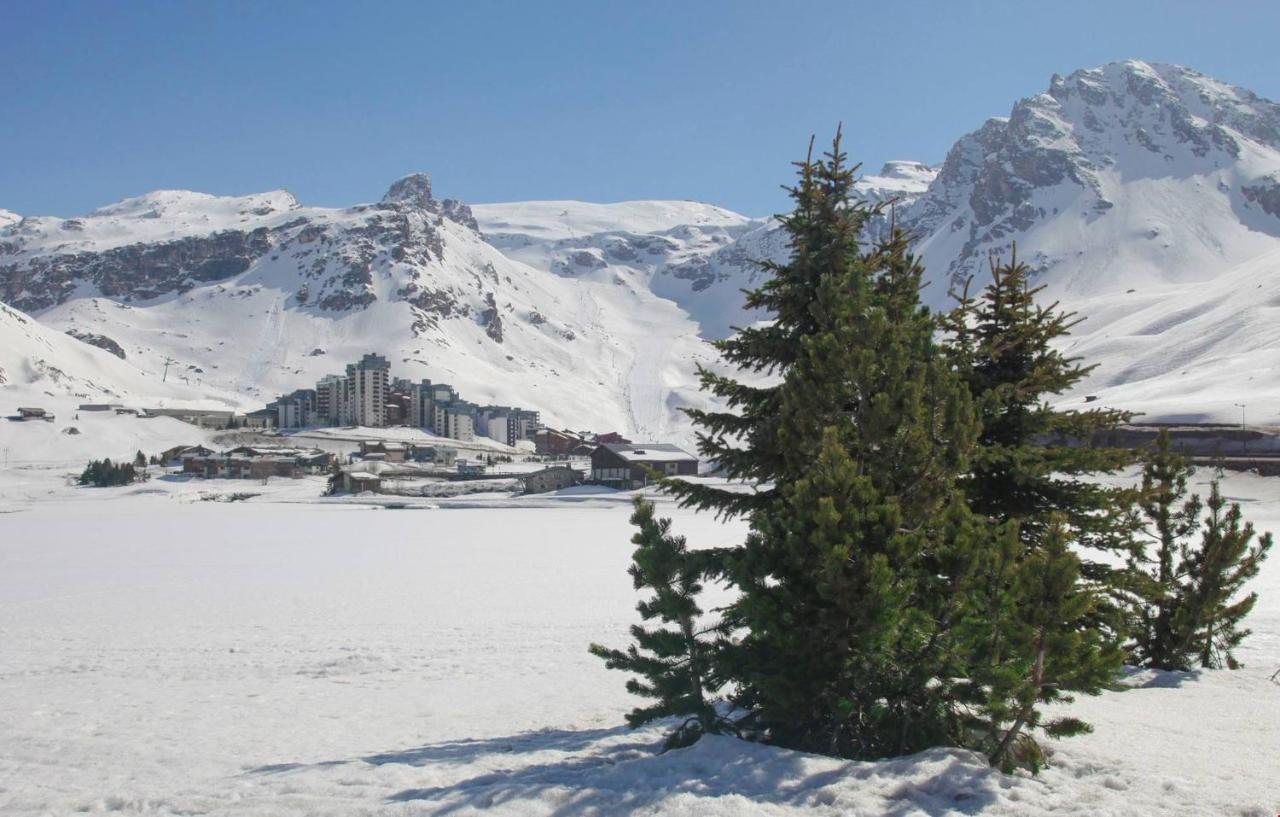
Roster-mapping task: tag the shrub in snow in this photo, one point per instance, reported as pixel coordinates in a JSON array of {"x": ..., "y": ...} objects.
[
  {"x": 673, "y": 661},
  {"x": 105, "y": 474},
  {"x": 1193, "y": 611}
]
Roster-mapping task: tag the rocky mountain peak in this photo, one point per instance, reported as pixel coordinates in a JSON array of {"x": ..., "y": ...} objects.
[{"x": 413, "y": 190}]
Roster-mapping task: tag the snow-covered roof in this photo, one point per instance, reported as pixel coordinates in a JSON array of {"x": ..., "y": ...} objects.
[{"x": 649, "y": 452}]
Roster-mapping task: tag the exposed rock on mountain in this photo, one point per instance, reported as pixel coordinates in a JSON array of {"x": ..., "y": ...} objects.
[{"x": 101, "y": 341}]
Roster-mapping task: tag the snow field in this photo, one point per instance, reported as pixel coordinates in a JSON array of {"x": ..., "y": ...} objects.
[{"x": 160, "y": 655}]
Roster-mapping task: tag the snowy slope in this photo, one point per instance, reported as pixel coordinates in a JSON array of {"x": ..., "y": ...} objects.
[
  {"x": 698, "y": 256},
  {"x": 38, "y": 363}
]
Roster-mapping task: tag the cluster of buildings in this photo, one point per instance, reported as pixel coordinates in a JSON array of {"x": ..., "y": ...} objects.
[
  {"x": 249, "y": 461},
  {"x": 367, "y": 396}
]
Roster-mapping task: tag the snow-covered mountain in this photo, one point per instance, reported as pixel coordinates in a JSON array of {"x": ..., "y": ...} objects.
[
  {"x": 696, "y": 255},
  {"x": 258, "y": 295},
  {"x": 1146, "y": 197}
]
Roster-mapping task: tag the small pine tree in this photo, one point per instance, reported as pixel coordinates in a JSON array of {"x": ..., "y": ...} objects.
[
  {"x": 1048, "y": 650},
  {"x": 673, "y": 660},
  {"x": 1172, "y": 515},
  {"x": 1193, "y": 610},
  {"x": 1033, "y": 469},
  {"x": 1226, "y": 558},
  {"x": 140, "y": 460}
]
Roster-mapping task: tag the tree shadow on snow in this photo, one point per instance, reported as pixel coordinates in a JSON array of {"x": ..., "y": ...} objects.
[
  {"x": 597, "y": 772},
  {"x": 1136, "y": 678},
  {"x": 620, "y": 778}
]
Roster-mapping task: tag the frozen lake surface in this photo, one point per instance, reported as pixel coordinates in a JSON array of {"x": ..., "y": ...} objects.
[{"x": 160, "y": 655}]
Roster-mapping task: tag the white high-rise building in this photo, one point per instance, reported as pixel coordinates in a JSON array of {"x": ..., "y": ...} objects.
[
  {"x": 367, "y": 386},
  {"x": 329, "y": 397}
]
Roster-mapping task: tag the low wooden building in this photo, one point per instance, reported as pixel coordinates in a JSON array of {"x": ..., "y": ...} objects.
[
  {"x": 33, "y": 413},
  {"x": 555, "y": 478},
  {"x": 621, "y": 465}
]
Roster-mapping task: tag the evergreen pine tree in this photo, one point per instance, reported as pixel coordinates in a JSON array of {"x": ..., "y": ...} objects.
[
  {"x": 1033, "y": 460},
  {"x": 1031, "y": 471},
  {"x": 743, "y": 439},
  {"x": 140, "y": 460},
  {"x": 860, "y": 545},
  {"x": 672, "y": 659},
  {"x": 1216, "y": 572},
  {"x": 1163, "y": 618},
  {"x": 1047, "y": 649},
  {"x": 1193, "y": 609}
]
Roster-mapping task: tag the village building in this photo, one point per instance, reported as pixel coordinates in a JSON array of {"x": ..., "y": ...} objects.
[
  {"x": 390, "y": 452},
  {"x": 204, "y": 418},
  {"x": 330, "y": 393},
  {"x": 34, "y": 413},
  {"x": 434, "y": 454},
  {"x": 367, "y": 388},
  {"x": 257, "y": 462},
  {"x": 456, "y": 420},
  {"x": 359, "y": 482},
  {"x": 296, "y": 410},
  {"x": 262, "y": 418},
  {"x": 172, "y": 457},
  {"x": 627, "y": 466},
  {"x": 550, "y": 442},
  {"x": 555, "y": 478}
]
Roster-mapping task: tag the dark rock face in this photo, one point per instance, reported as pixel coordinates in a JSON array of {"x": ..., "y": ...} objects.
[
  {"x": 413, "y": 190},
  {"x": 1265, "y": 193},
  {"x": 101, "y": 341},
  {"x": 490, "y": 319},
  {"x": 131, "y": 273}
]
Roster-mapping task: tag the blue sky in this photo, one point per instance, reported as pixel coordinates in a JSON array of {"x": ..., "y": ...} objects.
[{"x": 600, "y": 101}]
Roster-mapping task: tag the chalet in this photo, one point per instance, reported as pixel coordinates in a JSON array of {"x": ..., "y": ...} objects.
[
  {"x": 555, "y": 478},
  {"x": 359, "y": 482},
  {"x": 621, "y": 465},
  {"x": 391, "y": 452},
  {"x": 548, "y": 441},
  {"x": 436, "y": 454},
  {"x": 34, "y": 414},
  {"x": 611, "y": 437},
  {"x": 173, "y": 456}
]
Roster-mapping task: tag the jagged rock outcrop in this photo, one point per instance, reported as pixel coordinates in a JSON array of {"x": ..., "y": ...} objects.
[{"x": 101, "y": 341}]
